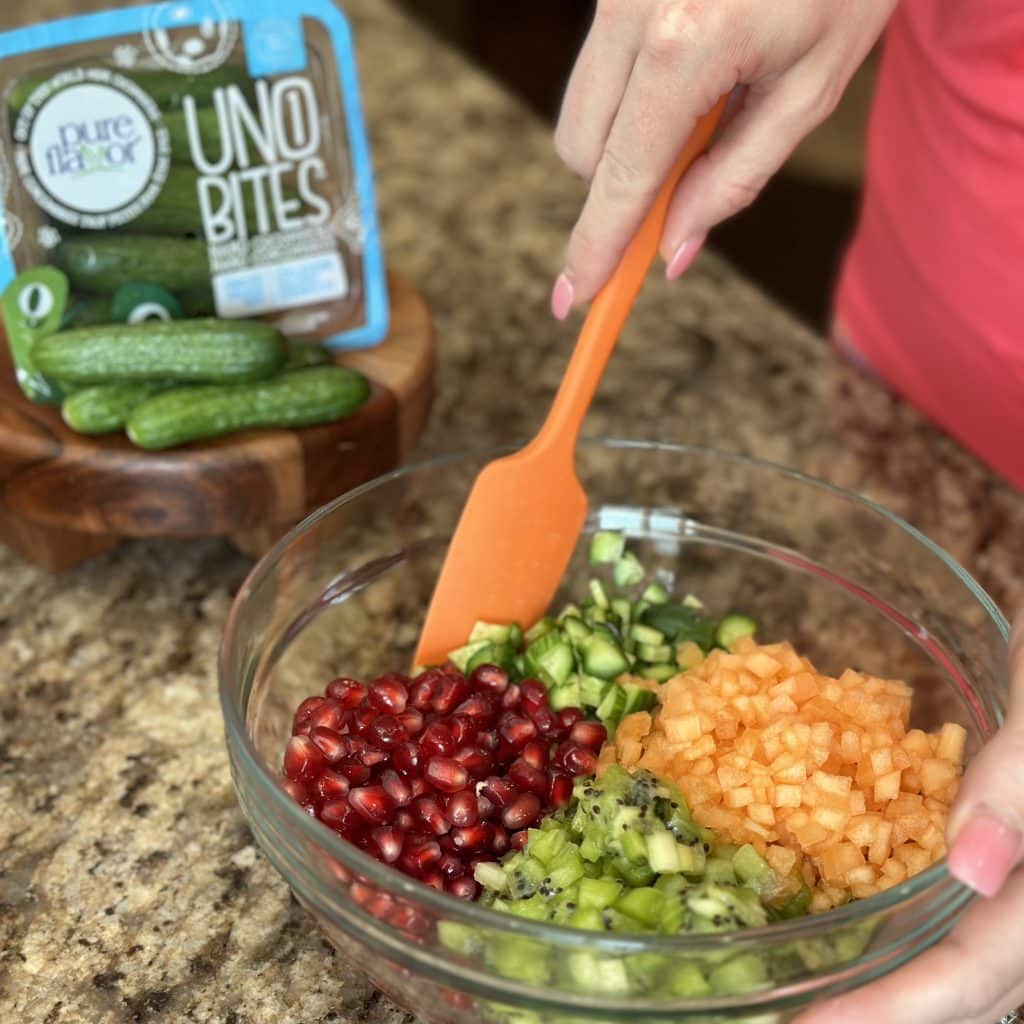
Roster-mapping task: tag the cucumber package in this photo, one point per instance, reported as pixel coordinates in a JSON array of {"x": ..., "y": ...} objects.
[{"x": 194, "y": 158}]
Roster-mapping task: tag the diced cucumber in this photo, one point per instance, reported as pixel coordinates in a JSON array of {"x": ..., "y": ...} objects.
[
  {"x": 602, "y": 657},
  {"x": 680, "y": 624},
  {"x": 628, "y": 571},
  {"x": 733, "y": 628},
  {"x": 492, "y": 631},
  {"x": 607, "y": 547},
  {"x": 493, "y": 654},
  {"x": 569, "y": 609},
  {"x": 612, "y": 706},
  {"x": 593, "y": 690},
  {"x": 647, "y": 635},
  {"x": 595, "y": 616},
  {"x": 599, "y": 594},
  {"x": 460, "y": 656},
  {"x": 567, "y": 695},
  {"x": 655, "y": 594},
  {"x": 539, "y": 629},
  {"x": 550, "y": 654},
  {"x": 692, "y": 601},
  {"x": 659, "y": 673},
  {"x": 654, "y": 654},
  {"x": 638, "y": 698},
  {"x": 622, "y": 610},
  {"x": 575, "y": 628}
]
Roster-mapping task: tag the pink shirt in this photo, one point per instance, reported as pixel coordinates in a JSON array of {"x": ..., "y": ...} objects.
[{"x": 932, "y": 289}]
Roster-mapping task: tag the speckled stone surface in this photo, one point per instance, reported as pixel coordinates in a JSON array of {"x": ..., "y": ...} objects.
[{"x": 130, "y": 890}]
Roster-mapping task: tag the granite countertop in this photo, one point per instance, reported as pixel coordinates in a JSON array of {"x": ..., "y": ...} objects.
[{"x": 130, "y": 889}]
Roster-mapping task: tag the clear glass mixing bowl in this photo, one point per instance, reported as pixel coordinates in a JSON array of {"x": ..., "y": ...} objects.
[{"x": 844, "y": 580}]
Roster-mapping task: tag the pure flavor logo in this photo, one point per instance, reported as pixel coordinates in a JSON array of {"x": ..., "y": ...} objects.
[
  {"x": 103, "y": 146},
  {"x": 91, "y": 148}
]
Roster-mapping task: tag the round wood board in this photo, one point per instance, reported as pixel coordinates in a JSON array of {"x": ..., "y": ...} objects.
[{"x": 65, "y": 497}]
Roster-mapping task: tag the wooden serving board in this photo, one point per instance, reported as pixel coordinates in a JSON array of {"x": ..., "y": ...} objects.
[{"x": 65, "y": 497}]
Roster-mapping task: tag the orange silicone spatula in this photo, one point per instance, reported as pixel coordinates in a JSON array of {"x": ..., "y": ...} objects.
[{"x": 525, "y": 513}]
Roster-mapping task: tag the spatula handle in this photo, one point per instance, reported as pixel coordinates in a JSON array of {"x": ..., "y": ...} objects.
[{"x": 609, "y": 310}]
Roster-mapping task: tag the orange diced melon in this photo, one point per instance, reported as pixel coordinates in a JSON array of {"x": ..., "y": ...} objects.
[
  {"x": 742, "y": 796},
  {"x": 837, "y": 860},
  {"x": 952, "y": 742},
  {"x": 936, "y": 774},
  {"x": 887, "y": 787}
]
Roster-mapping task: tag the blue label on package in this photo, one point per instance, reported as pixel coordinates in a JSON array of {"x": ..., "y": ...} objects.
[{"x": 240, "y": 153}]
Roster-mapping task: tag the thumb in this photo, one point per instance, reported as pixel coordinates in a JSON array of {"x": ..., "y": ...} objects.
[{"x": 986, "y": 827}]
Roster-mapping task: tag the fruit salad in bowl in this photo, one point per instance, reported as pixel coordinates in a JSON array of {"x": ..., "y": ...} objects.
[{"x": 712, "y": 783}]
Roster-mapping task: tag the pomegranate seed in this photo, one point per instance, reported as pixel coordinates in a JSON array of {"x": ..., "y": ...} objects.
[
  {"x": 535, "y": 753},
  {"x": 518, "y": 840},
  {"x": 361, "y": 894},
  {"x": 462, "y": 729},
  {"x": 404, "y": 820},
  {"x": 302, "y": 759},
  {"x": 462, "y": 809},
  {"x": 511, "y": 697},
  {"x": 499, "y": 791},
  {"x": 480, "y": 707},
  {"x": 436, "y": 739},
  {"x": 457, "y": 1000},
  {"x": 347, "y": 692},
  {"x": 522, "y": 813},
  {"x": 534, "y": 695},
  {"x": 428, "y": 810},
  {"x": 381, "y": 906},
  {"x": 330, "y": 715},
  {"x": 418, "y": 856},
  {"x": 410, "y": 921},
  {"x": 357, "y": 774},
  {"x": 452, "y": 691},
  {"x": 389, "y": 693},
  {"x": 485, "y": 808},
  {"x": 451, "y": 866},
  {"x": 363, "y": 720},
  {"x": 525, "y": 776},
  {"x": 517, "y": 731},
  {"x": 406, "y": 758},
  {"x": 341, "y": 816},
  {"x": 487, "y": 739},
  {"x": 425, "y": 687},
  {"x": 477, "y": 762},
  {"x": 332, "y": 785},
  {"x": 568, "y": 717},
  {"x": 475, "y": 837},
  {"x": 412, "y": 721},
  {"x": 446, "y": 774},
  {"x": 560, "y": 791},
  {"x": 396, "y": 788},
  {"x": 332, "y": 746},
  {"x": 389, "y": 841},
  {"x": 434, "y": 879},
  {"x": 580, "y": 761},
  {"x": 499, "y": 841},
  {"x": 372, "y": 802},
  {"x": 489, "y": 677},
  {"x": 371, "y": 758},
  {"x": 464, "y": 888},
  {"x": 387, "y": 731},
  {"x": 297, "y": 791},
  {"x": 590, "y": 735},
  {"x": 419, "y": 786},
  {"x": 544, "y": 719},
  {"x": 305, "y": 710}
]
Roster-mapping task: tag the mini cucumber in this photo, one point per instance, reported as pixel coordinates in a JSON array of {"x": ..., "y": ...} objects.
[
  {"x": 215, "y": 351},
  {"x": 298, "y": 399},
  {"x": 104, "y": 408},
  {"x": 100, "y": 264}
]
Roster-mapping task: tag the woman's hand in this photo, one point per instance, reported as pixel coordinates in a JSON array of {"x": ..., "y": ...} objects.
[
  {"x": 976, "y": 975},
  {"x": 650, "y": 68}
]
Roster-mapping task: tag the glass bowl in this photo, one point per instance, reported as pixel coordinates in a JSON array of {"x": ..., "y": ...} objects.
[{"x": 847, "y": 582}]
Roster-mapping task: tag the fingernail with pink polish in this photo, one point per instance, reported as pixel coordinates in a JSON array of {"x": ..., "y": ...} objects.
[
  {"x": 683, "y": 257},
  {"x": 561, "y": 297},
  {"x": 984, "y": 853}
]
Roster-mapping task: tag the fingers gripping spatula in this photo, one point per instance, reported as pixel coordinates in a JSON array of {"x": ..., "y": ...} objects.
[{"x": 525, "y": 513}]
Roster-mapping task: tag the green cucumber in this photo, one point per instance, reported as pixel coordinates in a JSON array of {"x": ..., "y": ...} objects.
[
  {"x": 303, "y": 398},
  {"x": 218, "y": 351},
  {"x": 606, "y": 547},
  {"x": 104, "y": 408},
  {"x": 732, "y": 628},
  {"x": 100, "y": 264},
  {"x": 302, "y": 355},
  {"x": 167, "y": 89}
]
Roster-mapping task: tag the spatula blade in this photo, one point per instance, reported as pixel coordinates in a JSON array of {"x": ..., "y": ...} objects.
[{"x": 509, "y": 553}]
